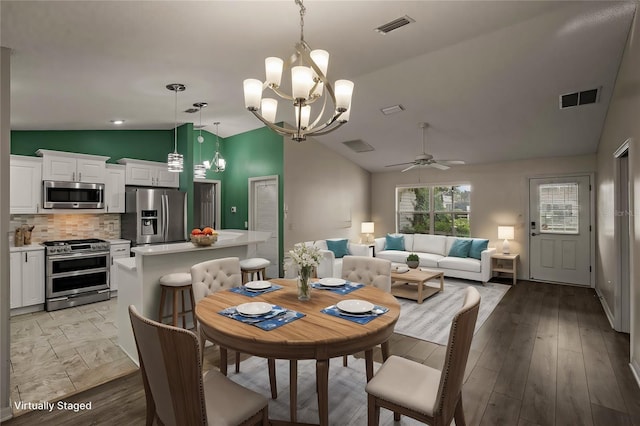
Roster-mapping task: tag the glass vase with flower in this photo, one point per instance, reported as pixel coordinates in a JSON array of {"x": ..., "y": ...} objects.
[{"x": 306, "y": 258}]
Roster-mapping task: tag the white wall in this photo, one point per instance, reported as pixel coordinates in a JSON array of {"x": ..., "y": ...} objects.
[
  {"x": 499, "y": 195},
  {"x": 621, "y": 124},
  {"x": 5, "y": 144},
  {"x": 325, "y": 195}
]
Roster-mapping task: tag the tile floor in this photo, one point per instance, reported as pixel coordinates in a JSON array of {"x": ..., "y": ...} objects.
[{"x": 58, "y": 353}]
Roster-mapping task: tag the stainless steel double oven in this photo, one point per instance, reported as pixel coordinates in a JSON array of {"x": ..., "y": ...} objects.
[{"x": 77, "y": 272}]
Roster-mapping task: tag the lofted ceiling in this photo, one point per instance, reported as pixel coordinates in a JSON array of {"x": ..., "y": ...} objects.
[{"x": 485, "y": 75}]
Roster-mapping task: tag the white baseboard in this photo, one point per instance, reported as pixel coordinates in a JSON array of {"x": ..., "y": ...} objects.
[
  {"x": 607, "y": 311},
  {"x": 635, "y": 369},
  {"x": 5, "y": 414}
]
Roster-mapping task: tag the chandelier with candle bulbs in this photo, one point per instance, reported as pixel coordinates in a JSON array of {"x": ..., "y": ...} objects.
[{"x": 309, "y": 85}]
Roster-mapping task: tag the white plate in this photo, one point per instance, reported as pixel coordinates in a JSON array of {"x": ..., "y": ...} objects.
[
  {"x": 332, "y": 282},
  {"x": 258, "y": 285},
  {"x": 354, "y": 306},
  {"x": 402, "y": 269},
  {"x": 254, "y": 308}
]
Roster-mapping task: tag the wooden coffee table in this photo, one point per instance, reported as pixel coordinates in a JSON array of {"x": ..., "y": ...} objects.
[{"x": 413, "y": 284}]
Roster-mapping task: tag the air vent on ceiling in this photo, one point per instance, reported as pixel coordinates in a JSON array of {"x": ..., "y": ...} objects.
[
  {"x": 392, "y": 109},
  {"x": 585, "y": 97},
  {"x": 394, "y": 25},
  {"x": 358, "y": 145},
  {"x": 191, "y": 110},
  {"x": 199, "y": 126}
]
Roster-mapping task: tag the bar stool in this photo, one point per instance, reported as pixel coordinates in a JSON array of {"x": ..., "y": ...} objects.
[
  {"x": 178, "y": 284},
  {"x": 253, "y": 268}
]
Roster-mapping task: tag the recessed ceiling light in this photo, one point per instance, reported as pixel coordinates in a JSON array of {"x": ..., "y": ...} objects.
[{"x": 117, "y": 122}]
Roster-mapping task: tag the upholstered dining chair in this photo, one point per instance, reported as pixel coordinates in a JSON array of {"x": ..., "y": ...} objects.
[
  {"x": 212, "y": 276},
  {"x": 176, "y": 391},
  {"x": 369, "y": 271},
  {"x": 426, "y": 394},
  {"x": 216, "y": 275}
]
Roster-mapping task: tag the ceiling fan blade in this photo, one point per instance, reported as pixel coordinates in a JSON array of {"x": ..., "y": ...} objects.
[
  {"x": 452, "y": 162},
  {"x": 439, "y": 166},
  {"x": 409, "y": 168},
  {"x": 399, "y": 164}
]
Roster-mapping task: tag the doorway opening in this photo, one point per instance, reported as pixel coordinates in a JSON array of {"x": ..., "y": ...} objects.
[
  {"x": 206, "y": 203},
  {"x": 622, "y": 232}
]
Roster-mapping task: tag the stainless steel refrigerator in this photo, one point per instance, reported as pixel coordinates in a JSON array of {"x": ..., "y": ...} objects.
[{"x": 154, "y": 216}]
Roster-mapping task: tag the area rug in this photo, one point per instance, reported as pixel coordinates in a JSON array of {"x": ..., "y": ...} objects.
[
  {"x": 431, "y": 320},
  {"x": 347, "y": 397}
]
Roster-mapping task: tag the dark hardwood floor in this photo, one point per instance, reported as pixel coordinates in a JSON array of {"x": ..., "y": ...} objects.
[{"x": 545, "y": 356}]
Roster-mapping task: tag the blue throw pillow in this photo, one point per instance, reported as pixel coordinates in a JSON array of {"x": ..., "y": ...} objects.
[
  {"x": 340, "y": 248},
  {"x": 460, "y": 248},
  {"x": 394, "y": 242},
  {"x": 477, "y": 247}
]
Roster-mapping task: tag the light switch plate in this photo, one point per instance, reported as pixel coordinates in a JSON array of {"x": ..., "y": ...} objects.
[{"x": 233, "y": 209}]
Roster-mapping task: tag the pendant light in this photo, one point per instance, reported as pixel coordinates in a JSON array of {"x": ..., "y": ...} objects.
[
  {"x": 200, "y": 170},
  {"x": 175, "y": 161},
  {"x": 218, "y": 163}
]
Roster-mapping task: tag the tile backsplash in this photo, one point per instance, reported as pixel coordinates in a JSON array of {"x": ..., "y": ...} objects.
[{"x": 68, "y": 226}]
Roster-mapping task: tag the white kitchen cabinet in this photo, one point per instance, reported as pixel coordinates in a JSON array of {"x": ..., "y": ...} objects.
[
  {"x": 25, "y": 193},
  {"x": 72, "y": 167},
  {"x": 114, "y": 188},
  {"x": 149, "y": 173},
  {"x": 27, "y": 278},
  {"x": 15, "y": 280},
  {"x": 166, "y": 178},
  {"x": 118, "y": 250}
]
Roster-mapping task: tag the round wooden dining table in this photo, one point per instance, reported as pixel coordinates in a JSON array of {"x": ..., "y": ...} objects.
[{"x": 316, "y": 336}]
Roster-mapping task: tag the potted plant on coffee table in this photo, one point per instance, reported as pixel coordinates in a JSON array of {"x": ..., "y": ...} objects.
[{"x": 413, "y": 261}]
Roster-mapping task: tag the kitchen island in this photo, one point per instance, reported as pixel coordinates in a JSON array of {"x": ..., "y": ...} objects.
[{"x": 138, "y": 278}]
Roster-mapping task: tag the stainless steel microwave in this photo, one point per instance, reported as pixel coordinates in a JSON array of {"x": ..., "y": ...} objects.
[{"x": 72, "y": 195}]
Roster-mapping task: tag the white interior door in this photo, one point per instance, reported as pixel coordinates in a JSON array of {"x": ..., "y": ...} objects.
[
  {"x": 560, "y": 229},
  {"x": 263, "y": 202}
]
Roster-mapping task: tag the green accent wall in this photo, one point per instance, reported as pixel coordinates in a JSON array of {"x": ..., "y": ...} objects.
[
  {"x": 152, "y": 145},
  {"x": 252, "y": 154}
]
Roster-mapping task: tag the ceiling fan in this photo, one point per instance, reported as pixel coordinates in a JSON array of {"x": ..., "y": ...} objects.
[{"x": 426, "y": 160}]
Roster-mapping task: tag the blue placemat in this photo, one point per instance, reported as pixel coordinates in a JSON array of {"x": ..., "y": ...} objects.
[
  {"x": 277, "y": 317},
  {"x": 253, "y": 293},
  {"x": 360, "y": 319},
  {"x": 347, "y": 288}
]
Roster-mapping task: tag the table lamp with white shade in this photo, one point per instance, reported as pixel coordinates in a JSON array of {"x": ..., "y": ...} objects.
[
  {"x": 367, "y": 228},
  {"x": 505, "y": 233}
]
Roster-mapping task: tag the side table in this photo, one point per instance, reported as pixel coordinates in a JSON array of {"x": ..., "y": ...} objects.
[{"x": 505, "y": 262}]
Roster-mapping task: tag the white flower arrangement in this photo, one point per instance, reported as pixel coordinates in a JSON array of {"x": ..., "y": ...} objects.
[{"x": 305, "y": 257}]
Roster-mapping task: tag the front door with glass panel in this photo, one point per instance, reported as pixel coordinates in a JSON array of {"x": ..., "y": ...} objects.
[{"x": 560, "y": 226}]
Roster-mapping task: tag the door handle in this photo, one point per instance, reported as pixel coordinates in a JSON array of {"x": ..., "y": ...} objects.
[{"x": 533, "y": 234}]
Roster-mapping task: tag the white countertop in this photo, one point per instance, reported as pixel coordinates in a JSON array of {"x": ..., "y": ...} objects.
[
  {"x": 226, "y": 238},
  {"x": 128, "y": 263},
  {"x": 30, "y": 247},
  {"x": 119, "y": 241}
]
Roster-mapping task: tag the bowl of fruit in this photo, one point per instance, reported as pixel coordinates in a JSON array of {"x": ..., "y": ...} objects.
[{"x": 204, "y": 237}]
